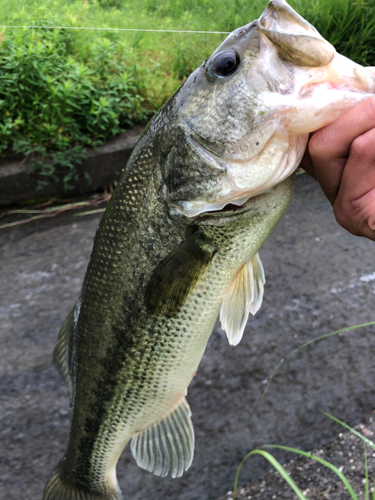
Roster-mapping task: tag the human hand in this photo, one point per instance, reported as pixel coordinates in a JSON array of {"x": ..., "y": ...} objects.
[{"x": 341, "y": 157}]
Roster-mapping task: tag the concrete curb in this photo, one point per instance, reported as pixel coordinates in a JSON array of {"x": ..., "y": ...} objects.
[{"x": 104, "y": 166}]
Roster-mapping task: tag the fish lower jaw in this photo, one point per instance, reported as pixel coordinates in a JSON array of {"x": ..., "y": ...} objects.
[
  {"x": 236, "y": 200},
  {"x": 230, "y": 206}
]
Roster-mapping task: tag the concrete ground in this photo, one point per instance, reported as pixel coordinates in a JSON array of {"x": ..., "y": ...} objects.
[{"x": 319, "y": 279}]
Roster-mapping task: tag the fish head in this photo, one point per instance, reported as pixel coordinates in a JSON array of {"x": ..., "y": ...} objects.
[{"x": 243, "y": 117}]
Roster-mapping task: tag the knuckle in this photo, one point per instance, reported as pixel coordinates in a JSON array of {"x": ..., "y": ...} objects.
[
  {"x": 359, "y": 147},
  {"x": 318, "y": 145},
  {"x": 339, "y": 216},
  {"x": 356, "y": 215},
  {"x": 363, "y": 147},
  {"x": 347, "y": 216},
  {"x": 371, "y": 222}
]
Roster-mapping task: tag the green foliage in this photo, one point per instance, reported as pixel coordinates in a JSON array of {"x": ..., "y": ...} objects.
[
  {"x": 54, "y": 98},
  {"x": 215, "y": 15},
  {"x": 111, "y": 3},
  {"x": 51, "y": 96}
]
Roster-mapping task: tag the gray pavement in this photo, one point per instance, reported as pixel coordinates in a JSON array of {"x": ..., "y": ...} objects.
[{"x": 319, "y": 279}]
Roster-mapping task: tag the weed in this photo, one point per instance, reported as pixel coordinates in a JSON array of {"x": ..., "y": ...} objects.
[
  {"x": 284, "y": 474},
  {"x": 278, "y": 466}
]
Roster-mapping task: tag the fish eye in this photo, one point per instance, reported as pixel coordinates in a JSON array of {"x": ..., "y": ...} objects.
[{"x": 225, "y": 63}]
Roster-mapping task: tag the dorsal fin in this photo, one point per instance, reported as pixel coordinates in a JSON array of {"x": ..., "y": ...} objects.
[
  {"x": 61, "y": 356},
  {"x": 167, "y": 446},
  {"x": 244, "y": 296}
]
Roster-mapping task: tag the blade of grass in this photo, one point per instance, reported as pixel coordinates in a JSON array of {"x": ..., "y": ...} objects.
[
  {"x": 353, "y": 431},
  {"x": 24, "y": 221},
  {"x": 89, "y": 212},
  {"x": 366, "y": 474},
  {"x": 272, "y": 460},
  {"x": 321, "y": 461},
  {"x": 53, "y": 211},
  {"x": 325, "y": 336},
  {"x": 365, "y": 442},
  {"x": 67, "y": 206}
]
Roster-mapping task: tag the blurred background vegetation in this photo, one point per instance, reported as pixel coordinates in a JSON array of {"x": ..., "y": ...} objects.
[{"x": 62, "y": 90}]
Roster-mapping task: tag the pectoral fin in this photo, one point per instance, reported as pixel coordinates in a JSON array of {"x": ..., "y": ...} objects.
[
  {"x": 177, "y": 276},
  {"x": 166, "y": 447},
  {"x": 244, "y": 296}
]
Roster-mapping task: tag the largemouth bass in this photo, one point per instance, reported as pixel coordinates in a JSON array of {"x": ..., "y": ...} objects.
[{"x": 178, "y": 244}]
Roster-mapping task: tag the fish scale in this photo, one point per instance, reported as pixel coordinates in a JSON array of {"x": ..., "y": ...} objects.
[
  {"x": 94, "y": 289},
  {"x": 142, "y": 391},
  {"x": 204, "y": 187}
]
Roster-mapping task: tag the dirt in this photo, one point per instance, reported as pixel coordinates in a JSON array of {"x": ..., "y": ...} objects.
[
  {"x": 315, "y": 480},
  {"x": 319, "y": 279}
]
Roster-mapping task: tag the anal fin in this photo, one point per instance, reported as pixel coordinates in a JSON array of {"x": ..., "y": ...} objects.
[
  {"x": 167, "y": 446},
  {"x": 244, "y": 296}
]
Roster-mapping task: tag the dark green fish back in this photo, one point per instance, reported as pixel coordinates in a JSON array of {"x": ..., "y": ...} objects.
[{"x": 134, "y": 236}]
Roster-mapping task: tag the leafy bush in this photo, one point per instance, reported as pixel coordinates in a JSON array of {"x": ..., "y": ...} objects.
[
  {"x": 53, "y": 97},
  {"x": 111, "y": 3}
]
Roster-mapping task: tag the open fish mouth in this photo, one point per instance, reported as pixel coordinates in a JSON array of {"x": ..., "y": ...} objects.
[
  {"x": 238, "y": 175},
  {"x": 228, "y": 210},
  {"x": 231, "y": 209}
]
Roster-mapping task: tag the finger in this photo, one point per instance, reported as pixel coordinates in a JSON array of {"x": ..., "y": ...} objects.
[
  {"x": 354, "y": 206},
  {"x": 306, "y": 162},
  {"x": 329, "y": 147}
]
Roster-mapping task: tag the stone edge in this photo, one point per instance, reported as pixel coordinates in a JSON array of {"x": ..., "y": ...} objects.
[{"x": 103, "y": 165}]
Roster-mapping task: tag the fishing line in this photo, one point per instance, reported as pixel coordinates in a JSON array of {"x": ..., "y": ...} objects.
[{"x": 117, "y": 29}]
